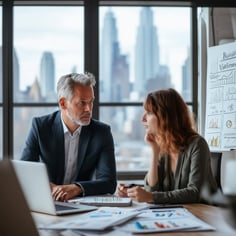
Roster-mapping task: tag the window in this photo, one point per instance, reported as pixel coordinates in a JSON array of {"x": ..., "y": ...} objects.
[
  {"x": 45, "y": 48},
  {"x": 142, "y": 45},
  {"x": 139, "y": 54}
]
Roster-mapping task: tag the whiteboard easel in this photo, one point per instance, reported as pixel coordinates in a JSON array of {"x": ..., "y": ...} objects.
[{"x": 220, "y": 126}]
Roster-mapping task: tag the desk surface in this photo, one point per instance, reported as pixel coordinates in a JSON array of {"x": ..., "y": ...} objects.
[{"x": 215, "y": 216}]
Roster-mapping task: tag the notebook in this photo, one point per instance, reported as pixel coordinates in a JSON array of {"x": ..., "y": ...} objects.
[
  {"x": 15, "y": 214},
  {"x": 33, "y": 178},
  {"x": 104, "y": 200}
]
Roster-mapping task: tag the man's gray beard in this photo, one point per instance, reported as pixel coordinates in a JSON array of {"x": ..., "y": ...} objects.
[{"x": 77, "y": 122}]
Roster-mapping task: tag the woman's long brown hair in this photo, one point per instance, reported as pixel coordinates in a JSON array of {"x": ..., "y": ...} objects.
[{"x": 175, "y": 123}]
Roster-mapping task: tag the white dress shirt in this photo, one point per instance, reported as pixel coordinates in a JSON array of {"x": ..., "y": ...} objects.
[{"x": 71, "y": 153}]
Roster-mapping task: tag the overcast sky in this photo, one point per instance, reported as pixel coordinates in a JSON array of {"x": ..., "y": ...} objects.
[{"x": 60, "y": 30}]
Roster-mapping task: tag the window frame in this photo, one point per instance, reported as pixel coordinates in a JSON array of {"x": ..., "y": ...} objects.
[{"x": 91, "y": 13}]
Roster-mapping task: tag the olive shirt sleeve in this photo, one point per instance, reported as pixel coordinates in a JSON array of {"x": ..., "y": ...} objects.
[{"x": 192, "y": 171}]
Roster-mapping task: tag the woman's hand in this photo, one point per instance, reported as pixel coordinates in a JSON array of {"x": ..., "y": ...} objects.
[
  {"x": 139, "y": 194},
  {"x": 152, "y": 140},
  {"x": 122, "y": 190},
  {"x": 149, "y": 138}
]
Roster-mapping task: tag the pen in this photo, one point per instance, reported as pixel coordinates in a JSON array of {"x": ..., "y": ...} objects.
[
  {"x": 165, "y": 206},
  {"x": 132, "y": 185}
]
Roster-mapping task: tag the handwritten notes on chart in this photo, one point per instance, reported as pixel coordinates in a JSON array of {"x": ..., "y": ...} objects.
[{"x": 220, "y": 127}]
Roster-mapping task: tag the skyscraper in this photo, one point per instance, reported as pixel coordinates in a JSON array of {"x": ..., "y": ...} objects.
[
  {"x": 114, "y": 69},
  {"x": 16, "y": 75},
  {"x": 146, "y": 51},
  {"x": 47, "y": 75},
  {"x": 187, "y": 82},
  {"x": 107, "y": 50}
]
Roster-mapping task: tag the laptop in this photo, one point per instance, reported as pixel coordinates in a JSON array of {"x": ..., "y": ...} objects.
[
  {"x": 15, "y": 215},
  {"x": 33, "y": 178}
]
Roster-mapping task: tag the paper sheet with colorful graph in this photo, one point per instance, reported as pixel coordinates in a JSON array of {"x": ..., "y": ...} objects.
[
  {"x": 100, "y": 219},
  {"x": 162, "y": 220}
]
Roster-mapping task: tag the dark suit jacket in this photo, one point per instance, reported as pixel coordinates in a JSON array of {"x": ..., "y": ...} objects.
[{"x": 96, "y": 157}]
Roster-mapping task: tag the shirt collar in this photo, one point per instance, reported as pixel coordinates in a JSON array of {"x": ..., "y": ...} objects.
[{"x": 65, "y": 129}]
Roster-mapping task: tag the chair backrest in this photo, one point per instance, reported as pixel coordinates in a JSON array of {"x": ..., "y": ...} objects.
[{"x": 216, "y": 167}]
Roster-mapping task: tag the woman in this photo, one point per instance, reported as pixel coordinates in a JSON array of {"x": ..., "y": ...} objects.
[{"x": 180, "y": 161}]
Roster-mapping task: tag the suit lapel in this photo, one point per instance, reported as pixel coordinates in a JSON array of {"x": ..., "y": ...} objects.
[{"x": 57, "y": 130}]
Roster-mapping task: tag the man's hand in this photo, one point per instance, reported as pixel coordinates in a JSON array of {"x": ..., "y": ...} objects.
[{"x": 65, "y": 192}]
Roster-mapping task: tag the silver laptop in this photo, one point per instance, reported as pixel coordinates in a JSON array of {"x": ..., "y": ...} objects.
[
  {"x": 34, "y": 181},
  {"x": 14, "y": 212}
]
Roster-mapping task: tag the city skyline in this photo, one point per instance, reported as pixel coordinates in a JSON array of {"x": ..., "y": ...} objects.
[
  {"x": 146, "y": 21},
  {"x": 76, "y": 58},
  {"x": 125, "y": 121},
  {"x": 33, "y": 36},
  {"x": 170, "y": 21}
]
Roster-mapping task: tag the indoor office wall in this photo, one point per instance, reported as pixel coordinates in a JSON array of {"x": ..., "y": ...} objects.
[{"x": 216, "y": 27}]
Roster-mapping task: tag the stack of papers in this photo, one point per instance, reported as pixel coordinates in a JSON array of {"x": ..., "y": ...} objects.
[
  {"x": 133, "y": 220},
  {"x": 101, "y": 219},
  {"x": 165, "y": 219}
]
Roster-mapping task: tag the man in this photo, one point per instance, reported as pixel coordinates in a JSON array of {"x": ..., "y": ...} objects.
[{"x": 77, "y": 150}]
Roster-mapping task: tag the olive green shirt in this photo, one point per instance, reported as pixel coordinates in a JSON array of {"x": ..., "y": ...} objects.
[{"x": 193, "y": 171}]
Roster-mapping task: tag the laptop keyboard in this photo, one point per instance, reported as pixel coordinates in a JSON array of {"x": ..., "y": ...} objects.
[{"x": 63, "y": 208}]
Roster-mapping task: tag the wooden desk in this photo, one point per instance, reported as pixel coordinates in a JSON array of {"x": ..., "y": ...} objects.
[
  {"x": 215, "y": 216},
  {"x": 212, "y": 215}
]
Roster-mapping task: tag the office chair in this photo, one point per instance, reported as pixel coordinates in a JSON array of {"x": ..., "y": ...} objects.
[{"x": 216, "y": 167}]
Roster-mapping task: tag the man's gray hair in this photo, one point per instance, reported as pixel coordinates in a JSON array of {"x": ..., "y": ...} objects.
[{"x": 65, "y": 85}]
